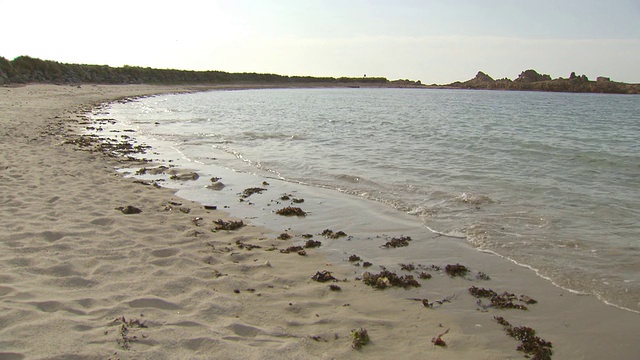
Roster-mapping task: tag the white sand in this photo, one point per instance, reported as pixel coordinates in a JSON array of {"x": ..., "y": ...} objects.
[{"x": 72, "y": 267}]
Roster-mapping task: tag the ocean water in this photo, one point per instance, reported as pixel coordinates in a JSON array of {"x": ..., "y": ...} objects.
[{"x": 550, "y": 181}]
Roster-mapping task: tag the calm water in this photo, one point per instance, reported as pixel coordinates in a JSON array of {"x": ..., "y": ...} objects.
[{"x": 549, "y": 180}]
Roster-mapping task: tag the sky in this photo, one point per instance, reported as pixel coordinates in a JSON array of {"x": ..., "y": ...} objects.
[{"x": 431, "y": 41}]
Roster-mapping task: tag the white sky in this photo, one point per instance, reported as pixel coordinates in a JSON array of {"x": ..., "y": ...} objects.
[{"x": 432, "y": 41}]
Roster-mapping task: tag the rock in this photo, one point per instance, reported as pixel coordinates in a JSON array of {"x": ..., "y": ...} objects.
[{"x": 532, "y": 76}]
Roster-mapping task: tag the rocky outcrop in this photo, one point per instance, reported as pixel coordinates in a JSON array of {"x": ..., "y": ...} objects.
[
  {"x": 531, "y": 75},
  {"x": 531, "y": 80}
]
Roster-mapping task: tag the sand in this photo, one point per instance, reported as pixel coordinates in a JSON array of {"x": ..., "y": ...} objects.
[{"x": 79, "y": 279}]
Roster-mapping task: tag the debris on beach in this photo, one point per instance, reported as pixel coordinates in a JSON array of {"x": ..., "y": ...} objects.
[
  {"x": 125, "y": 333},
  {"x": 354, "y": 258},
  {"x": 291, "y": 211},
  {"x": 250, "y": 191},
  {"x": 426, "y": 303},
  {"x": 284, "y": 236},
  {"x": 407, "y": 267},
  {"x": 129, "y": 209},
  {"x": 242, "y": 245},
  {"x": 312, "y": 244},
  {"x": 185, "y": 176},
  {"x": 387, "y": 279},
  {"x": 291, "y": 249},
  {"x": 334, "y": 287},
  {"x": 330, "y": 234},
  {"x": 297, "y": 201},
  {"x": 500, "y": 301},
  {"x": 366, "y": 264},
  {"x": 228, "y": 225},
  {"x": 424, "y": 276},
  {"x": 482, "y": 276},
  {"x": 438, "y": 339},
  {"x": 530, "y": 344},
  {"x": 323, "y": 276},
  {"x": 402, "y": 241},
  {"x": 456, "y": 270},
  {"x": 360, "y": 338}
]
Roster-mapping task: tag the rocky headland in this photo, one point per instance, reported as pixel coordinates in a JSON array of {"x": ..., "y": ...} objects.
[{"x": 531, "y": 80}]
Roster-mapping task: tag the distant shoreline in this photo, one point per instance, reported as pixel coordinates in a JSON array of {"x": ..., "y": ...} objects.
[{"x": 26, "y": 70}]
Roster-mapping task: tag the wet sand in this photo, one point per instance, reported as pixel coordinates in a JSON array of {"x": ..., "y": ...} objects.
[{"x": 81, "y": 279}]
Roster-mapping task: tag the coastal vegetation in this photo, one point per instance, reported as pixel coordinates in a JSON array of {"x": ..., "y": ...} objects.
[{"x": 25, "y": 69}]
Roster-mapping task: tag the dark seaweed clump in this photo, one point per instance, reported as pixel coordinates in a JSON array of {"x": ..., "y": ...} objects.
[
  {"x": 354, "y": 258},
  {"x": 360, "y": 338},
  {"x": 312, "y": 244},
  {"x": 328, "y": 233},
  {"x": 250, "y": 191},
  {"x": 387, "y": 278},
  {"x": 323, "y": 276},
  {"x": 228, "y": 225},
  {"x": 456, "y": 270},
  {"x": 530, "y": 344},
  {"x": 397, "y": 242},
  {"x": 501, "y": 301},
  {"x": 291, "y": 211}
]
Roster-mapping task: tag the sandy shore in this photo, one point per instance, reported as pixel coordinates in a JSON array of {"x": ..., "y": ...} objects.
[{"x": 79, "y": 279}]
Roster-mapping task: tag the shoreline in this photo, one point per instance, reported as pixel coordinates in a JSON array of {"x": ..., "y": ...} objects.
[{"x": 73, "y": 262}]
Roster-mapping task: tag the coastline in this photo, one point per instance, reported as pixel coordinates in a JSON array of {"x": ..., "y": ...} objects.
[{"x": 76, "y": 272}]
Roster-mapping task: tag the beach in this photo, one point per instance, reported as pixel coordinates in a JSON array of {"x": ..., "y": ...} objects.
[{"x": 81, "y": 277}]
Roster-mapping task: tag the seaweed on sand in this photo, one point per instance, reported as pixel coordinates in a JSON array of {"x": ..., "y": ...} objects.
[
  {"x": 291, "y": 211},
  {"x": 530, "y": 344},
  {"x": 501, "y": 301},
  {"x": 360, "y": 338},
  {"x": 330, "y": 234},
  {"x": 228, "y": 225},
  {"x": 250, "y": 191},
  {"x": 402, "y": 241},
  {"x": 312, "y": 244},
  {"x": 456, "y": 270},
  {"x": 387, "y": 278},
  {"x": 323, "y": 276}
]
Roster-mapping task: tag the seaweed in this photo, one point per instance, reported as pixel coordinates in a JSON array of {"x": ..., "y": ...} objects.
[
  {"x": 250, "y": 191},
  {"x": 402, "y": 241},
  {"x": 245, "y": 246},
  {"x": 501, "y": 301},
  {"x": 291, "y": 211},
  {"x": 423, "y": 275},
  {"x": 129, "y": 209},
  {"x": 482, "y": 276},
  {"x": 354, "y": 258},
  {"x": 291, "y": 249},
  {"x": 438, "y": 339},
  {"x": 407, "y": 267},
  {"x": 427, "y": 304},
  {"x": 456, "y": 270},
  {"x": 312, "y": 244},
  {"x": 360, "y": 338},
  {"x": 125, "y": 338},
  {"x": 328, "y": 233},
  {"x": 387, "y": 278},
  {"x": 530, "y": 344},
  {"x": 334, "y": 287},
  {"x": 297, "y": 201},
  {"x": 284, "y": 236},
  {"x": 228, "y": 225},
  {"x": 323, "y": 276},
  {"x": 366, "y": 264}
]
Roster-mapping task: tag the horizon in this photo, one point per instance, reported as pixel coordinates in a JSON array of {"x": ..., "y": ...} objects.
[{"x": 410, "y": 39}]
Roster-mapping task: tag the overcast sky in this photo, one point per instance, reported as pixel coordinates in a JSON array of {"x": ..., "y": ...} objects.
[{"x": 432, "y": 41}]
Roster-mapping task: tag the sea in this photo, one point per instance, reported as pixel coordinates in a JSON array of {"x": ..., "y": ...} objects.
[{"x": 550, "y": 181}]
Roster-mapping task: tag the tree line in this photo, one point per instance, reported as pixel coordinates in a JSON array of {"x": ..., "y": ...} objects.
[{"x": 25, "y": 69}]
